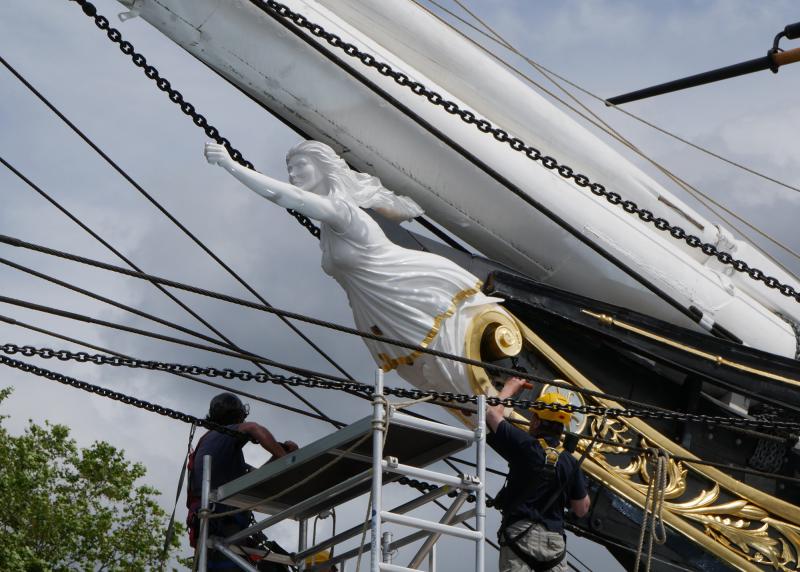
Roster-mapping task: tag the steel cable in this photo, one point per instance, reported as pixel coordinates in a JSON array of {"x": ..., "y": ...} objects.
[
  {"x": 130, "y": 263},
  {"x": 177, "y": 223},
  {"x": 300, "y": 317},
  {"x": 598, "y": 122},
  {"x": 193, "y": 378},
  {"x": 282, "y": 12},
  {"x": 441, "y": 398}
]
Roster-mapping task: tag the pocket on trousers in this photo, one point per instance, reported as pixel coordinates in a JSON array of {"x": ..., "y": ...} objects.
[{"x": 555, "y": 542}]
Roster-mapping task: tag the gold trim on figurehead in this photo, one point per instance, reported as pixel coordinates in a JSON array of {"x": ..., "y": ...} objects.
[{"x": 388, "y": 363}]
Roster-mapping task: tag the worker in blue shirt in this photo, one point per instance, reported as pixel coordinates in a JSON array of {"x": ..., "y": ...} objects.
[
  {"x": 227, "y": 464},
  {"x": 543, "y": 480}
]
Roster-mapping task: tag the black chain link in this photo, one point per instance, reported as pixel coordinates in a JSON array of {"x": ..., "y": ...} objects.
[
  {"x": 441, "y": 397},
  {"x": 177, "y": 98},
  {"x": 422, "y": 486},
  {"x": 275, "y": 8},
  {"x": 451, "y": 107},
  {"x": 116, "y": 396},
  {"x": 84, "y": 357}
]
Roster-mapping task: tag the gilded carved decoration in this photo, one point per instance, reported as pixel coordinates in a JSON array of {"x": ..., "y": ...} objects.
[
  {"x": 740, "y": 526},
  {"x": 722, "y": 517}
]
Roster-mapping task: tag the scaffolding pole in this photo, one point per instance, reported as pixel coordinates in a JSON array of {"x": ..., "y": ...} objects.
[
  {"x": 205, "y": 491},
  {"x": 378, "y": 414}
]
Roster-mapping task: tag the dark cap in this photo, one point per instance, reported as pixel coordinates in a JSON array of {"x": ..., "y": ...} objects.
[{"x": 226, "y": 409}]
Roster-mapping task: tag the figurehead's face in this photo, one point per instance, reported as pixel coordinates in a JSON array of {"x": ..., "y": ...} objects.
[{"x": 305, "y": 173}]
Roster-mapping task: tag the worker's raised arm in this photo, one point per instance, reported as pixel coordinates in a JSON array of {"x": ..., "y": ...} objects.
[
  {"x": 263, "y": 437},
  {"x": 495, "y": 415}
]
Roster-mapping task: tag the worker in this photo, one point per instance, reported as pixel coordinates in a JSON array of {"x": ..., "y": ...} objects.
[
  {"x": 227, "y": 464},
  {"x": 543, "y": 480}
]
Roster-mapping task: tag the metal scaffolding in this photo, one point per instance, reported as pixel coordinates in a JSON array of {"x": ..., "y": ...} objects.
[{"x": 358, "y": 459}]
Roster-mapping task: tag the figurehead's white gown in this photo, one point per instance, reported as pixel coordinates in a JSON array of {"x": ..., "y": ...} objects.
[{"x": 409, "y": 295}]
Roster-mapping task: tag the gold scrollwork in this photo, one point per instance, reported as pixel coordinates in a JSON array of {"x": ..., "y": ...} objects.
[
  {"x": 490, "y": 334},
  {"x": 738, "y": 530},
  {"x": 738, "y": 525}
]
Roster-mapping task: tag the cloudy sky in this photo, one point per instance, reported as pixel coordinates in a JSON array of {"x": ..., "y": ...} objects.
[{"x": 609, "y": 47}]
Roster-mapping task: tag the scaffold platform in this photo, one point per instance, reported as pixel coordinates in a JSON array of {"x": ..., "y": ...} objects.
[{"x": 354, "y": 461}]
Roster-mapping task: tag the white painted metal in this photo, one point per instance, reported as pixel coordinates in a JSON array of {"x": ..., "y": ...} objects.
[
  {"x": 480, "y": 505},
  {"x": 292, "y": 511},
  {"x": 430, "y": 543},
  {"x": 431, "y": 426},
  {"x": 379, "y": 516},
  {"x": 358, "y": 529},
  {"x": 294, "y": 80},
  {"x": 302, "y": 540},
  {"x": 396, "y": 568},
  {"x": 386, "y": 547},
  {"x": 205, "y": 490},
  {"x": 427, "y": 475},
  {"x": 415, "y": 522},
  {"x": 378, "y": 429},
  {"x": 240, "y": 562}
]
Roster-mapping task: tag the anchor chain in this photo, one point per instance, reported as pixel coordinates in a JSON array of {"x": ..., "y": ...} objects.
[
  {"x": 483, "y": 125},
  {"x": 445, "y": 398},
  {"x": 177, "y": 98},
  {"x": 121, "y": 397},
  {"x": 502, "y": 136}
]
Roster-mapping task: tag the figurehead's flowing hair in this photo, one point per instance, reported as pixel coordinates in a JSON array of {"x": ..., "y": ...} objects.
[{"x": 360, "y": 188}]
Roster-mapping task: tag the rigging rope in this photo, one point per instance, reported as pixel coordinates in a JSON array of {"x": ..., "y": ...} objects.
[
  {"x": 282, "y": 12},
  {"x": 262, "y": 377},
  {"x": 652, "y": 522},
  {"x": 114, "y": 303},
  {"x": 585, "y": 533},
  {"x": 293, "y": 315},
  {"x": 245, "y": 356},
  {"x": 195, "y": 379},
  {"x": 424, "y": 487},
  {"x": 498, "y": 39},
  {"x": 266, "y": 401},
  {"x": 117, "y": 396},
  {"x": 170, "y": 533},
  {"x": 416, "y": 395},
  {"x": 102, "y": 241},
  {"x": 155, "y": 203},
  {"x": 178, "y": 327},
  {"x": 678, "y": 458},
  {"x": 598, "y": 122}
]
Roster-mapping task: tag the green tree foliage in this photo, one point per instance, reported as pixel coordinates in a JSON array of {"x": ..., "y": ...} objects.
[{"x": 67, "y": 508}]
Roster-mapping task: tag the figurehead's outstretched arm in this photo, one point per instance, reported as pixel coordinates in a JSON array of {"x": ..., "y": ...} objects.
[{"x": 281, "y": 193}]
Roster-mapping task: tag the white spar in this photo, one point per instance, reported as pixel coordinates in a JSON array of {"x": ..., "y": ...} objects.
[{"x": 461, "y": 177}]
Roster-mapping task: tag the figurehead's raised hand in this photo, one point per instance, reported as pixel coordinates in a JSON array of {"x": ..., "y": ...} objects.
[{"x": 217, "y": 154}]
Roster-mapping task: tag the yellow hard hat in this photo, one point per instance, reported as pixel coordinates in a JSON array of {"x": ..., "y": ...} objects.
[
  {"x": 550, "y": 398},
  {"x": 318, "y": 558}
]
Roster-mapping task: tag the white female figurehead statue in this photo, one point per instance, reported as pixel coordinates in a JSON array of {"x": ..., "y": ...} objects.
[{"x": 409, "y": 295}]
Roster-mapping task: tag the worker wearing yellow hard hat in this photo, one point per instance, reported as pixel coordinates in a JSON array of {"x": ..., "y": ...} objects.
[
  {"x": 543, "y": 481},
  {"x": 319, "y": 558},
  {"x": 557, "y": 415}
]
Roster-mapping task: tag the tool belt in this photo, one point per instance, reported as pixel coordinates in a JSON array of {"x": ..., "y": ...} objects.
[{"x": 529, "y": 560}]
